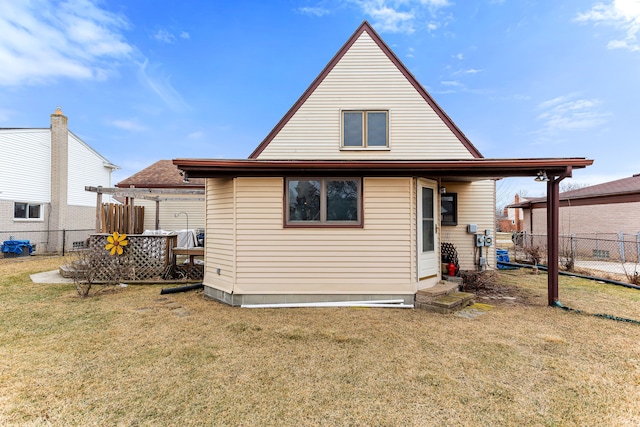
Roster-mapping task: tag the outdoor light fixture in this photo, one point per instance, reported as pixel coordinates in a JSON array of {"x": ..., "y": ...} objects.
[
  {"x": 185, "y": 179},
  {"x": 541, "y": 176},
  {"x": 443, "y": 190}
]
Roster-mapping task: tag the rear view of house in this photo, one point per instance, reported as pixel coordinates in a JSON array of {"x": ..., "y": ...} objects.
[
  {"x": 43, "y": 173},
  {"x": 353, "y": 192}
]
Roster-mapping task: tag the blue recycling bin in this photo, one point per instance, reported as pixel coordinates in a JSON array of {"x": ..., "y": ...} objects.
[
  {"x": 15, "y": 248},
  {"x": 502, "y": 255}
]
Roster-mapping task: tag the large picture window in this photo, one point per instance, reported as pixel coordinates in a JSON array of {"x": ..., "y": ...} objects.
[
  {"x": 449, "y": 209},
  {"x": 27, "y": 211},
  {"x": 365, "y": 129},
  {"x": 323, "y": 201}
]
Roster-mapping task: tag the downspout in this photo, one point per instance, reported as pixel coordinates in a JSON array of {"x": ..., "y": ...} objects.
[{"x": 553, "y": 213}]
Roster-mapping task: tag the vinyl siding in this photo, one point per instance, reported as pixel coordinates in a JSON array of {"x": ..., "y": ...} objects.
[
  {"x": 86, "y": 168},
  {"x": 168, "y": 210},
  {"x": 373, "y": 259},
  {"x": 365, "y": 79},
  {"x": 25, "y": 165},
  {"x": 220, "y": 241},
  {"x": 476, "y": 205}
]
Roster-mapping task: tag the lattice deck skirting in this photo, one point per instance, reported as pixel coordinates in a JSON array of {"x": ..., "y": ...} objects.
[{"x": 145, "y": 258}]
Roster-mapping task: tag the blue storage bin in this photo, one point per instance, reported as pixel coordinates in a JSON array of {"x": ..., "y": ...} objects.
[{"x": 13, "y": 248}]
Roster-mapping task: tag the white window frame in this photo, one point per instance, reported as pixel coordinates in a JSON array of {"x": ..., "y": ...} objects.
[
  {"x": 365, "y": 136},
  {"x": 28, "y": 206}
]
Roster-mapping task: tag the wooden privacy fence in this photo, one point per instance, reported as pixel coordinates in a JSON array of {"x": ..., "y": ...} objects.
[{"x": 122, "y": 219}]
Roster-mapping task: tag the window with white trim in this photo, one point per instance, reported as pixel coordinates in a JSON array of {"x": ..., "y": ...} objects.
[
  {"x": 365, "y": 129},
  {"x": 323, "y": 201},
  {"x": 27, "y": 211}
]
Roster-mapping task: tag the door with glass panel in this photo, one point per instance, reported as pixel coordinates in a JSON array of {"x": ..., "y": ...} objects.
[{"x": 427, "y": 227}]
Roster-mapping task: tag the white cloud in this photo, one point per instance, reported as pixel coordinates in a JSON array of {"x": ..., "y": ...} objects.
[
  {"x": 622, "y": 15},
  {"x": 5, "y": 115},
  {"x": 195, "y": 135},
  {"x": 313, "y": 11},
  {"x": 161, "y": 86},
  {"x": 403, "y": 16},
  {"x": 164, "y": 36},
  {"x": 44, "y": 40},
  {"x": 566, "y": 113},
  {"x": 454, "y": 83},
  {"x": 130, "y": 125}
]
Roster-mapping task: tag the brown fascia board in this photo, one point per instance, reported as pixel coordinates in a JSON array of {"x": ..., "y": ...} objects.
[
  {"x": 540, "y": 203},
  {"x": 476, "y": 168},
  {"x": 392, "y": 56}
]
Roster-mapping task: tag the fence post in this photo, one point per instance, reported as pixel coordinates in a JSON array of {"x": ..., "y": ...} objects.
[
  {"x": 573, "y": 246},
  {"x": 638, "y": 247},
  {"x": 64, "y": 237},
  {"x": 621, "y": 243}
]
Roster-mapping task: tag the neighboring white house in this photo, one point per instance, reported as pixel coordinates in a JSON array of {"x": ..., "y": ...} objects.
[{"x": 43, "y": 174}]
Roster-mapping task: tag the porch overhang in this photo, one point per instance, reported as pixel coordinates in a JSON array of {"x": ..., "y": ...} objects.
[
  {"x": 468, "y": 169},
  {"x": 554, "y": 170}
]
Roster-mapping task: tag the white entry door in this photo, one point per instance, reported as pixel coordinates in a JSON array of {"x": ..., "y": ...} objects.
[{"x": 427, "y": 239}]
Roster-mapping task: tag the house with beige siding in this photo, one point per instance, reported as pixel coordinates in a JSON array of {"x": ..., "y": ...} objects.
[{"x": 353, "y": 192}]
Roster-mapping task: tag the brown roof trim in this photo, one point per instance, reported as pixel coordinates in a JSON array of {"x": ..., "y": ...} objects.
[
  {"x": 338, "y": 56},
  {"x": 476, "y": 168},
  {"x": 631, "y": 197}
]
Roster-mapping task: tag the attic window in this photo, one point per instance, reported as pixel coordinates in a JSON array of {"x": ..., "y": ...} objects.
[{"x": 365, "y": 129}]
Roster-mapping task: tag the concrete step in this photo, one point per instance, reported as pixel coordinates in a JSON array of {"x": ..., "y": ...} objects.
[
  {"x": 449, "y": 303},
  {"x": 441, "y": 289},
  {"x": 73, "y": 270}
]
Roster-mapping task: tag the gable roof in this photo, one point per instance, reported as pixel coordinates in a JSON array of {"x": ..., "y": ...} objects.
[
  {"x": 618, "y": 191},
  {"x": 365, "y": 27},
  {"x": 161, "y": 174}
]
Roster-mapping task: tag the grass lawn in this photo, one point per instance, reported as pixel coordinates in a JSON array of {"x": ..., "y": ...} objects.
[{"x": 130, "y": 356}]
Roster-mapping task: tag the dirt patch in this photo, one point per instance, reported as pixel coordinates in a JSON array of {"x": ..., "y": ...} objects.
[{"x": 489, "y": 287}]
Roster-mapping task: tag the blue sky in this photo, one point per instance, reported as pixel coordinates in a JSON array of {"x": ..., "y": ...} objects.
[{"x": 147, "y": 80}]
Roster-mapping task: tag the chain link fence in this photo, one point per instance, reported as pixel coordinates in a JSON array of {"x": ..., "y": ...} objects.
[
  {"x": 597, "y": 254},
  {"x": 52, "y": 242}
]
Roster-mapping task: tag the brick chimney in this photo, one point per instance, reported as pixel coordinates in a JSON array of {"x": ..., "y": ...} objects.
[{"x": 59, "y": 176}]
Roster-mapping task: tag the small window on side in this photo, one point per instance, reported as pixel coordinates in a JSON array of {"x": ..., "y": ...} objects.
[{"x": 449, "y": 209}]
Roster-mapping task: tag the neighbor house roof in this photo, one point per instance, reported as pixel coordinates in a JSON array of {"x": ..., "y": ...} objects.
[
  {"x": 619, "y": 191},
  {"x": 161, "y": 174},
  {"x": 365, "y": 27}
]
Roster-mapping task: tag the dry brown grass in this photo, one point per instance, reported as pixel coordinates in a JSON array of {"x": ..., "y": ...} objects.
[{"x": 134, "y": 357}]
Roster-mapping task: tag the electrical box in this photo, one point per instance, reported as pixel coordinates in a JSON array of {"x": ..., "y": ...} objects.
[
  {"x": 487, "y": 232},
  {"x": 488, "y": 241},
  {"x": 472, "y": 228},
  {"x": 480, "y": 238},
  {"x": 482, "y": 261}
]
